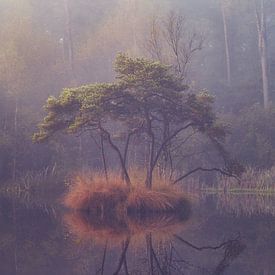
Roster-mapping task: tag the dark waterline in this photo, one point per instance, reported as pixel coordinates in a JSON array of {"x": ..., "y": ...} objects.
[{"x": 223, "y": 235}]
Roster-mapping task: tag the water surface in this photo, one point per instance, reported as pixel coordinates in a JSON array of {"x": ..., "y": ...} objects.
[{"x": 222, "y": 234}]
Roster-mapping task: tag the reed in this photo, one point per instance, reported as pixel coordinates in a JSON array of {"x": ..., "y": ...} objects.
[
  {"x": 94, "y": 194},
  {"x": 252, "y": 181}
]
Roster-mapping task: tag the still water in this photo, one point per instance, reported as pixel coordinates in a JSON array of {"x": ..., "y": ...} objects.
[{"x": 220, "y": 234}]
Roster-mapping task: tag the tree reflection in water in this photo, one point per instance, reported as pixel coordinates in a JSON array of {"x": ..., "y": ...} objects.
[
  {"x": 232, "y": 248},
  {"x": 154, "y": 238}
]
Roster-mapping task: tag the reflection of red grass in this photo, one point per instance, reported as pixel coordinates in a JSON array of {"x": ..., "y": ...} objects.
[
  {"x": 81, "y": 227},
  {"x": 98, "y": 196},
  {"x": 114, "y": 229},
  {"x": 141, "y": 199}
]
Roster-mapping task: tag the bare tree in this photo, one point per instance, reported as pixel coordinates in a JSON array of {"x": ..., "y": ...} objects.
[
  {"x": 153, "y": 44},
  {"x": 170, "y": 41}
]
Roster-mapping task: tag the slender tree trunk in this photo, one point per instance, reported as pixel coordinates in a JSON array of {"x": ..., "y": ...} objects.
[
  {"x": 15, "y": 228},
  {"x": 226, "y": 43},
  {"x": 122, "y": 256},
  {"x": 125, "y": 154},
  {"x": 126, "y": 149},
  {"x": 262, "y": 46},
  {"x": 103, "y": 157},
  {"x": 132, "y": 9},
  {"x": 125, "y": 265},
  {"x": 167, "y": 146},
  {"x": 5, "y": 121},
  {"x": 265, "y": 77},
  {"x": 149, "y": 253},
  {"x": 104, "y": 258},
  {"x": 69, "y": 38},
  {"x": 80, "y": 152},
  {"x": 150, "y": 165},
  {"x": 15, "y": 134},
  {"x": 125, "y": 174}
]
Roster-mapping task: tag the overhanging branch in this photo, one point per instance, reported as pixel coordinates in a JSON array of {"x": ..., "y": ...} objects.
[{"x": 223, "y": 172}]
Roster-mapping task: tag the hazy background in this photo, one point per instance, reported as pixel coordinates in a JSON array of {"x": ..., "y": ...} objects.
[{"x": 48, "y": 45}]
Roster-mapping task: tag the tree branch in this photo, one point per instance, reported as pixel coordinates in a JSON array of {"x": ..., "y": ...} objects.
[
  {"x": 224, "y": 244},
  {"x": 206, "y": 170},
  {"x": 168, "y": 139}
]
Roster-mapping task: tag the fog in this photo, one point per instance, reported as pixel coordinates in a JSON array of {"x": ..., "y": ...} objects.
[
  {"x": 224, "y": 47},
  {"x": 137, "y": 137}
]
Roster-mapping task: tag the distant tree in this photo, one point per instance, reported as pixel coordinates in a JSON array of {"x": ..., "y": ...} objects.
[
  {"x": 224, "y": 5},
  {"x": 145, "y": 99},
  {"x": 28, "y": 62},
  {"x": 171, "y": 41},
  {"x": 260, "y": 13}
]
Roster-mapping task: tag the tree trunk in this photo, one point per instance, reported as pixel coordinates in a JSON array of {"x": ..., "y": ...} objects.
[
  {"x": 126, "y": 149},
  {"x": 122, "y": 256},
  {"x": 104, "y": 258},
  {"x": 5, "y": 121},
  {"x": 135, "y": 28},
  {"x": 125, "y": 154},
  {"x": 166, "y": 150},
  {"x": 125, "y": 175},
  {"x": 15, "y": 134},
  {"x": 150, "y": 164},
  {"x": 15, "y": 229},
  {"x": 262, "y": 46},
  {"x": 103, "y": 157},
  {"x": 226, "y": 43},
  {"x": 80, "y": 152},
  {"x": 69, "y": 39},
  {"x": 149, "y": 253}
]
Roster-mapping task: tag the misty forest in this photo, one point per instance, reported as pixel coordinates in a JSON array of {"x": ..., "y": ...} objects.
[{"x": 137, "y": 137}]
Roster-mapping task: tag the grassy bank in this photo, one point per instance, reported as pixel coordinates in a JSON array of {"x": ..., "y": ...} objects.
[
  {"x": 243, "y": 204},
  {"x": 252, "y": 182},
  {"x": 97, "y": 196},
  {"x": 240, "y": 190},
  {"x": 45, "y": 186}
]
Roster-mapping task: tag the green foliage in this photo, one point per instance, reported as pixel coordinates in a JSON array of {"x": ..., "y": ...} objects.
[{"x": 142, "y": 88}]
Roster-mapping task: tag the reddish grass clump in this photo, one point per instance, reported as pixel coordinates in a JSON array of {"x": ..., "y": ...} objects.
[{"x": 97, "y": 196}]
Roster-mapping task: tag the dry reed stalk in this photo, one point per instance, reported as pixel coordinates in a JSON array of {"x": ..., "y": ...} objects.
[{"x": 95, "y": 194}]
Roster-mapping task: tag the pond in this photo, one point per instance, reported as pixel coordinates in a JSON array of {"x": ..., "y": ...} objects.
[{"x": 220, "y": 234}]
